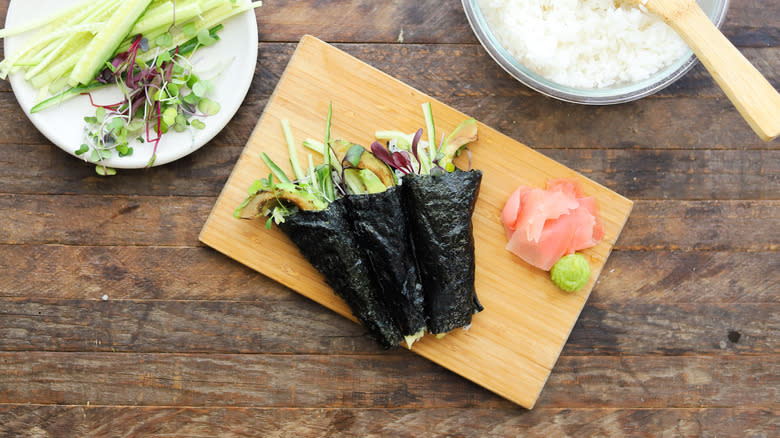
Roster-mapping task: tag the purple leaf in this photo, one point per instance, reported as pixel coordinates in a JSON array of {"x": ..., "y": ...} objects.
[
  {"x": 382, "y": 153},
  {"x": 416, "y": 142},
  {"x": 403, "y": 162}
]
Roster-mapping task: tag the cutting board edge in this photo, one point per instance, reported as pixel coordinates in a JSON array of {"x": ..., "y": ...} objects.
[{"x": 212, "y": 237}]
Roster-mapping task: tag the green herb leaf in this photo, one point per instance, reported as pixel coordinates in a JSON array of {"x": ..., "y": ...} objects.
[
  {"x": 191, "y": 99},
  {"x": 169, "y": 115},
  {"x": 105, "y": 171},
  {"x": 208, "y": 107},
  {"x": 205, "y": 38},
  {"x": 83, "y": 149},
  {"x": 163, "y": 57},
  {"x": 116, "y": 123},
  {"x": 164, "y": 40},
  {"x": 197, "y": 124},
  {"x": 135, "y": 126},
  {"x": 189, "y": 30},
  {"x": 202, "y": 87},
  {"x": 126, "y": 151},
  {"x": 257, "y": 186}
]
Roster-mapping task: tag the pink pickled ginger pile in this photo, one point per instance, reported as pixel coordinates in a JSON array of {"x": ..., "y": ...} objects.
[{"x": 543, "y": 225}]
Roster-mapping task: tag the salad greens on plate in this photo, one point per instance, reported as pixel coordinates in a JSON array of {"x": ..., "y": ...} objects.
[{"x": 143, "y": 48}]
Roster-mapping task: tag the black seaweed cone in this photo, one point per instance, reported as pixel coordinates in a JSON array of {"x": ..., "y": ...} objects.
[
  {"x": 325, "y": 238},
  {"x": 439, "y": 210},
  {"x": 380, "y": 229}
]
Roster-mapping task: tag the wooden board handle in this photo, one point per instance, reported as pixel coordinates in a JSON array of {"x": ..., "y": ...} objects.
[{"x": 746, "y": 87}]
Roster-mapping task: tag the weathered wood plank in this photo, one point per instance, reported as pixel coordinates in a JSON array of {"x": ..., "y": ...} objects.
[
  {"x": 706, "y": 225},
  {"x": 698, "y": 118},
  {"x": 302, "y": 327},
  {"x": 199, "y": 273},
  {"x": 296, "y": 325},
  {"x": 387, "y": 381},
  {"x": 176, "y": 221},
  {"x": 667, "y": 382},
  {"x": 689, "y": 277},
  {"x": 677, "y": 329},
  {"x": 636, "y": 174},
  {"x": 88, "y": 421}
]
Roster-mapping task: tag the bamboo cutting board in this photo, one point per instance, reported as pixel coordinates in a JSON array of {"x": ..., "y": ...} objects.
[{"x": 514, "y": 343}]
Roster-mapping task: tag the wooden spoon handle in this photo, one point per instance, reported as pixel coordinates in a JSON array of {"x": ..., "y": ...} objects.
[{"x": 748, "y": 90}]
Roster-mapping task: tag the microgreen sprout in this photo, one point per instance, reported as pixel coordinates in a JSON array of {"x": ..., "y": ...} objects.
[{"x": 159, "y": 95}]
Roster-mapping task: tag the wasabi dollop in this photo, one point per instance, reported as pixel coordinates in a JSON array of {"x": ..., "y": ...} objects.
[{"x": 570, "y": 272}]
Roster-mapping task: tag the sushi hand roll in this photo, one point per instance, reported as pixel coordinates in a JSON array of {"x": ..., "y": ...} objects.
[
  {"x": 379, "y": 224},
  {"x": 309, "y": 210},
  {"x": 438, "y": 202},
  {"x": 325, "y": 238},
  {"x": 439, "y": 208},
  {"x": 378, "y": 221}
]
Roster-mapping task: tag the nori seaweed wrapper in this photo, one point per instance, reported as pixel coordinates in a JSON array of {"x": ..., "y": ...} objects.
[
  {"x": 380, "y": 229},
  {"x": 439, "y": 210},
  {"x": 325, "y": 238}
]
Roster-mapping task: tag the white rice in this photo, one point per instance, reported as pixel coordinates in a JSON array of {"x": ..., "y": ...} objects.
[{"x": 584, "y": 43}]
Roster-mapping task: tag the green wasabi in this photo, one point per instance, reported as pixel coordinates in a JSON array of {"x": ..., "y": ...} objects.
[{"x": 571, "y": 272}]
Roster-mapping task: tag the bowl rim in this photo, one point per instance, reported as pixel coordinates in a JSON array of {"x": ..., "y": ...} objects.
[{"x": 595, "y": 96}]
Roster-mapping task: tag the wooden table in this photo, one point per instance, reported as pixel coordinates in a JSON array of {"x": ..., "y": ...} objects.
[{"x": 679, "y": 338}]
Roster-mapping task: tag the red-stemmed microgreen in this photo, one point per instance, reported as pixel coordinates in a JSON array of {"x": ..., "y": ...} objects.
[{"x": 161, "y": 94}]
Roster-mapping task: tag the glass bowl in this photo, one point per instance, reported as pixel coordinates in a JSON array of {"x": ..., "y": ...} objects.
[{"x": 715, "y": 9}]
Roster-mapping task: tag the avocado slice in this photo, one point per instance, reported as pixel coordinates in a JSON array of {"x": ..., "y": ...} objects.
[
  {"x": 367, "y": 161},
  {"x": 464, "y": 134},
  {"x": 260, "y": 203}
]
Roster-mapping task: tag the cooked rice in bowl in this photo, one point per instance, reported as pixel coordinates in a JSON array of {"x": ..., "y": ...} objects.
[{"x": 584, "y": 43}]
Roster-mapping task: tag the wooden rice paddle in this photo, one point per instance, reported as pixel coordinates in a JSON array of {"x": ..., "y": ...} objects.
[{"x": 748, "y": 90}]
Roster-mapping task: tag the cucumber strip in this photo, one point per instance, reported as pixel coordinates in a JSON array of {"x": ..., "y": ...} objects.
[
  {"x": 330, "y": 193},
  {"x": 65, "y": 95},
  {"x": 430, "y": 127},
  {"x": 296, "y": 166},
  {"x": 205, "y": 21},
  {"x": 73, "y": 43},
  {"x": 403, "y": 141},
  {"x": 319, "y": 148},
  {"x": 154, "y": 20},
  {"x": 59, "y": 15},
  {"x": 59, "y": 70},
  {"x": 211, "y": 17},
  {"x": 312, "y": 178},
  {"x": 43, "y": 38},
  {"x": 62, "y": 68},
  {"x": 164, "y": 17},
  {"x": 105, "y": 43},
  {"x": 277, "y": 172}
]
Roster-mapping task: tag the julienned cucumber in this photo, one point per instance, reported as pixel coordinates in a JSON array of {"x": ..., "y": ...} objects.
[
  {"x": 184, "y": 50},
  {"x": 105, "y": 43}
]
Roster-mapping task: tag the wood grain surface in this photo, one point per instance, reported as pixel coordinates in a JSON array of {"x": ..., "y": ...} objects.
[{"x": 678, "y": 338}]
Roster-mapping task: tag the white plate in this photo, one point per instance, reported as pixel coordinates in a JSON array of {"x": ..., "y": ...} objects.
[{"x": 63, "y": 125}]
